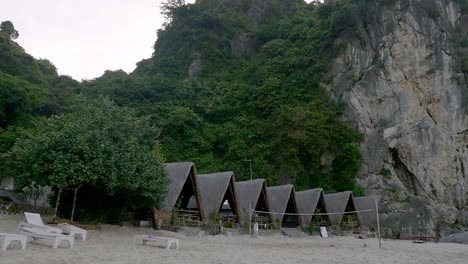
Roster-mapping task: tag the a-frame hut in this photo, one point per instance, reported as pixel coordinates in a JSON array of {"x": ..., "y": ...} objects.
[
  {"x": 366, "y": 219},
  {"x": 282, "y": 200},
  {"x": 340, "y": 203},
  {"x": 253, "y": 194},
  {"x": 310, "y": 202},
  {"x": 218, "y": 196},
  {"x": 181, "y": 187}
]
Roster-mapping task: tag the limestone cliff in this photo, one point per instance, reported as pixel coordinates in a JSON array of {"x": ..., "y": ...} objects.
[{"x": 404, "y": 88}]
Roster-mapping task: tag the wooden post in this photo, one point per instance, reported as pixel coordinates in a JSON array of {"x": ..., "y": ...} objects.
[
  {"x": 57, "y": 205},
  {"x": 74, "y": 203},
  {"x": 378, "y": 222},
  {"x": 250, "y": 219},
  {"x": 255, "y": 230}
]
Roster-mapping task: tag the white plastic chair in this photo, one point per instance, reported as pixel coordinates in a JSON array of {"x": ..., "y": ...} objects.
[
  {"x": 35, "y": 221},
  {"x": 37, "y": 233}
]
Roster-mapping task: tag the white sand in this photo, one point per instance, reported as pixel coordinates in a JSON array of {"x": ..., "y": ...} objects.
[{"x": 115, "y": 245}]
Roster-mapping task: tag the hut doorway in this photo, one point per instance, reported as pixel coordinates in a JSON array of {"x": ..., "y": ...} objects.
[
  {"x": 262, "y": 218},
  {"x": 290, "y": 220},
  {"x": 317, "y": 219},
  {"x": 186, "y": 207},
  {"x": 187, "y": 199},
  {"x": 350, "y": 221},
  {"x": 228, "y": 210}
]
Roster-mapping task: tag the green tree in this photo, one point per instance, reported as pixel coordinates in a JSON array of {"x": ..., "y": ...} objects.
[
  {"x": 171, "y": 9},
  {"x": 7, "y": 28},
  {"x": 99, "y": 145},
  {"x": 267, "y": 104}
]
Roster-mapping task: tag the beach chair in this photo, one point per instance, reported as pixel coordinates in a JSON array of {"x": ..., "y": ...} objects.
[
  {"x": 6, "y": 239},
  {"x": 165, "y": 242},
  {"x": 35, "y": 221},
  {"x": 37, "y": 233},
  {"x": 73, "y": 230}
]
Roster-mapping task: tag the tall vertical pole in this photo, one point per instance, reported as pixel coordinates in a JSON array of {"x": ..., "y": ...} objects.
[
  {"x": 57, "y": 204},
  {"x": 378, "y": 222},
  {"x": 250, "y": 220},
  {"x": 74, "y": 203}
]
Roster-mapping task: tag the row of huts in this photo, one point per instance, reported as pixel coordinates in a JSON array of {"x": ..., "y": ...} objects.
[{"x": 208, "y": 196}]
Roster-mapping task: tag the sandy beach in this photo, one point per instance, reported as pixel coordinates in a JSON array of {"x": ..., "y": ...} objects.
[{"x": 114, "y": 244}]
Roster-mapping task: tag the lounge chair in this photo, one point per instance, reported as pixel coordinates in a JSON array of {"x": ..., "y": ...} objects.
[
  {"x": 6, "y": 239},
  {"x": 37, "y": 233},
  {"x": 35, "y": 221},
  {"x": 73, "y": 230},
  {"x": 166, "y": 242}
]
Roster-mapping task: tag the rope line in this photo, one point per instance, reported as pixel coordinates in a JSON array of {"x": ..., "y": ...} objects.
[{"x": 349, "y": 212}]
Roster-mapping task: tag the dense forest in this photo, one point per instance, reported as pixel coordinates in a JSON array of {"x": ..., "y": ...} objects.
[
  {"x": 227, "y": 87},
  {"x": 232, "y": 85}
]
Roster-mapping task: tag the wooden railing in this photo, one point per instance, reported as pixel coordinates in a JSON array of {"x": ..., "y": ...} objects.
[{"x": 187, "y": 218}]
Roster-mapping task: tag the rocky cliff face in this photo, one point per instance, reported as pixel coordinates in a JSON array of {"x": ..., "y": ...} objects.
[{"x": 404, "y": 88}]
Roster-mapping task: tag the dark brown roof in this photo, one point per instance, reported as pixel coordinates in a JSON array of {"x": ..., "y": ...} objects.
[
  {"x": 177, "y": 174},
  {"x": 278, "y": 199},
  {"x": 248, "y": 192},
  {"x": 212, "y": 188},
  {"x": 336, "y": 203},
  {"x": 307, "y": 202},
  {"x": 366, "y": 219}
]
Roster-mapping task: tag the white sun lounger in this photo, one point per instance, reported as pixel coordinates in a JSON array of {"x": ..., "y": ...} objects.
[
  {"x": 73, "y": 231},
  {"x": 37, "y": 234},
  {"x": 35, "y": 221},
  {"x": 6, "y": 239},
  {"x": 167, "y": 242}
]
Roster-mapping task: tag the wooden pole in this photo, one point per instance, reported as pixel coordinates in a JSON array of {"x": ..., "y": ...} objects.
[
  {"x": 57, "y": 204},
  {"x": 74, "y": 203},
  {"x": 250, "y": 219},
  {"x": 378, "y": 222}
]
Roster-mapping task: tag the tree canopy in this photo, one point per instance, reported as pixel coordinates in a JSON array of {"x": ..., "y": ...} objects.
[
  {"x": 266, "y": 104},
  {"x": 7, "y": 28},
  {"x": 99, "y": 145},
  {"x": 259, "y": 94}
]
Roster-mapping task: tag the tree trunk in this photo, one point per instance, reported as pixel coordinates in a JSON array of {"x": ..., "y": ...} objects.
[
  {"x": 74, "y": 203},
  {"x": 57, "y": 204}
]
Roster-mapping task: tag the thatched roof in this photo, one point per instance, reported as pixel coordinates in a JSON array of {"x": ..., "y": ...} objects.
[
  {"x": 336, "y": 203},
  {"x": 177, "y": 174},
  {"x": 278, "y": 199},
  {"x": 307, "y": 202},
  {"x": 248, "y": 193},
  {"x": 366, "y": 219},
  {"x": 212, "y": 189}
]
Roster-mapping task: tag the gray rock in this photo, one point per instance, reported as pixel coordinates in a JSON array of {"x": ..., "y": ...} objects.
[
  {"x": 195, "y": 67},
  {"x": 399, "y": 89},
  {"x": 242, "y": 45},
  {"x": 461, "y": 238}
]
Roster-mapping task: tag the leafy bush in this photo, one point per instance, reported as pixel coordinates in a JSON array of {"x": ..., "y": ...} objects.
[{"x": 101, "y": 146}]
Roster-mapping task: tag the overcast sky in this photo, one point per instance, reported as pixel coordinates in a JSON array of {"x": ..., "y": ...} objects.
[{"x": 83, "y": 38}]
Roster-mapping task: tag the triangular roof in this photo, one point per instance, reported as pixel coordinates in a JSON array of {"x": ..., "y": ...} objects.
[
  {"x": 367, "y": 219},
  {"x": 177, "y": 174},
  {"x": 248, "y": 193},
  {"x": 307, "y": 202},
  {"x": 278, "y": 199},
  {"x": 212, "y": 188},
  {"x": 336, "y": 203}
]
